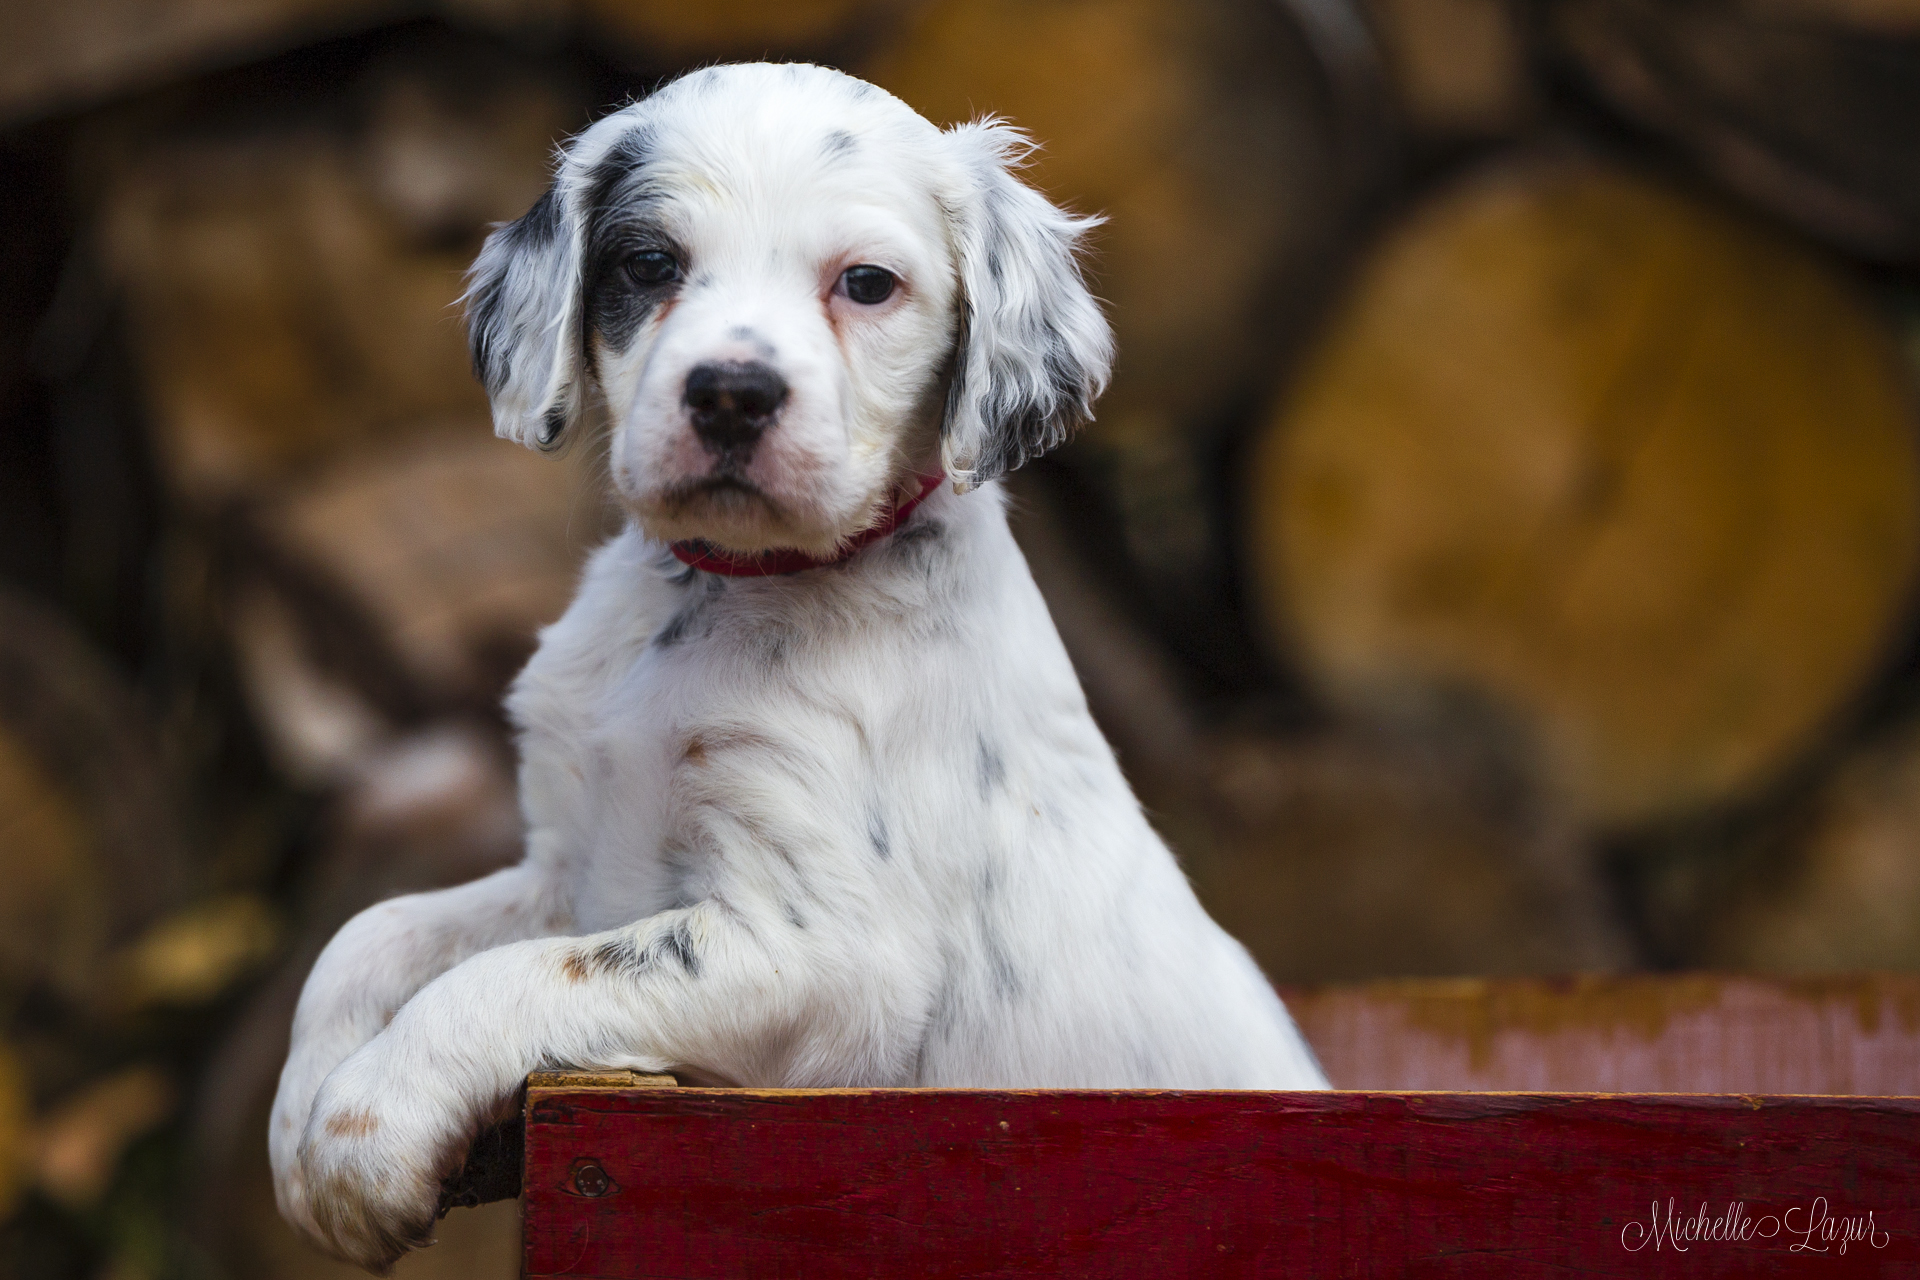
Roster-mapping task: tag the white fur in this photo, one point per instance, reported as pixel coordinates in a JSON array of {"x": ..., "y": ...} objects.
[{"x": 852, "y": 826}]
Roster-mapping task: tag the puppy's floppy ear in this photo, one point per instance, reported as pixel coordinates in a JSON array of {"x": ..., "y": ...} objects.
[
  {"x": 1033, "y": 351},
  {"x": 522, "y": 296}
]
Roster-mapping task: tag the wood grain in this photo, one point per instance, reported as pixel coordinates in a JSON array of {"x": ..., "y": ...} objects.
[
  {"x": 1572, "y": 445},
  {"x": 932, "y": 1184},
  {"x": 598, "y": 1080},
  {"x": 1638, "y": 1033},
  {"x": 1226, "y": 157}
]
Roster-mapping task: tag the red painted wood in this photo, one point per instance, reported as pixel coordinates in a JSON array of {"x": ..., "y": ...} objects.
[{"x": 933, "y": 1184}]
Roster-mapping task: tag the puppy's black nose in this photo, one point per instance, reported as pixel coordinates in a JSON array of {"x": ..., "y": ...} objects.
[{"x": 733, "y": 404}]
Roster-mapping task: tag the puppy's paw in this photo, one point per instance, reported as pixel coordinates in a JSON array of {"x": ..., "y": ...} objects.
[
  {"x": 287, "y": 1126},
  {"x": 372, "y": 1158}
]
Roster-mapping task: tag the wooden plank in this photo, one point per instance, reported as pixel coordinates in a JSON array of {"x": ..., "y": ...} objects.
[
  {"x": 1641, "y": 1033},
  {"x": 695, "y": 1183},
  {"x": 492, "y": 1169},
  {"x": 599, "y": 1080}
]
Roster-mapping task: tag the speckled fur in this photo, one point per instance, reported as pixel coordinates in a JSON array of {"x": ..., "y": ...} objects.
[{"x": 852, "y": 826}]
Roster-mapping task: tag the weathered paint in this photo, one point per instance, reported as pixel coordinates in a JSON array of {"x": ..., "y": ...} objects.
[
  {"x": 695, "y": 1183},
  {"x": 1696, "y": 1033}
]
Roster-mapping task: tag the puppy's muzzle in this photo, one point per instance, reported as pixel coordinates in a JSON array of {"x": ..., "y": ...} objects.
[{"x": 732, "y": 405}]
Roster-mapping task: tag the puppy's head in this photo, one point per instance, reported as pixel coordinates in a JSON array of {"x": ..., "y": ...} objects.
[{"x": 793, "y": 294}]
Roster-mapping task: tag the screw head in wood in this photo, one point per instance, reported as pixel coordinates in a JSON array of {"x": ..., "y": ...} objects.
[{"x": 590, "y": 1180}]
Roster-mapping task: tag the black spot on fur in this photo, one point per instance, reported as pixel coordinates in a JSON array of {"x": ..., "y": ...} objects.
[
  {"x": 773, "y": 644},
  {"x": 619, "y": 209},
  {"x": 624, "y": 956},
  {"x": 616, "y": 306},
  {"x": 540, "y": 224},
  {"x": 793, "y": 916},
  {"x": 877, "y": 835},
  {"x": 958, "y": 363},
  {"x": 690, "y": 619},
  {"x": 921, "y": 531},
  {"x": 1027, "y": 431},
  {"x": 618, "y": 956},
  {"x": 785, "y": 855},
  {"x": 1022, "y": 428},
  {"x": 1006, "y": 979},
  {"x": 488, "y": 340},
  {"x": 679, "y": 944},
  {"x": 944, "y": 1013},
  {"x": 1006, "y": 983},
  {"x": 484, "y": 334},
  {"x": 839, "y": 143},
  {"x": 613, "y": 208},
  {"x": 761, "y": 347},
  {"x": 992, "y": 769},
  {"x": 677, "y": 626},
  {"x": 621, "y": 164},
  {"x": 923, "y": 546}
]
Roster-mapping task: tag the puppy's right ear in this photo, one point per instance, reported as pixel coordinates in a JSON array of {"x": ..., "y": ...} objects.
[
  {"x": 1033, "y": 350},
  {"x": 522, "y": 300}
]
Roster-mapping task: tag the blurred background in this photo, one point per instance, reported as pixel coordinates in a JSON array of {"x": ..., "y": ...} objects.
[{"x": 1496, "y": 554}]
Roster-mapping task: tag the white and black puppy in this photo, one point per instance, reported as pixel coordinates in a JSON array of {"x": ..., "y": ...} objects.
[{"x": 811, "y": 790}]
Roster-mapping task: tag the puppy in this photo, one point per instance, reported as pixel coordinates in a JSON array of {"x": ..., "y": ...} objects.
[{"x": 812, "y": 793}]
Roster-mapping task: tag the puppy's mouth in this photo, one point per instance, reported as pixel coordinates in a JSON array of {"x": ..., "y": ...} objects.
[
  {"x": 723, "y": 507},
  {"x": 724, "y": 491},
  {"x": 718, "y": 500}
]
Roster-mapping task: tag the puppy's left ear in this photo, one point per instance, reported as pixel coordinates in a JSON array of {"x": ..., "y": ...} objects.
[
  {"x": 1033, "y": 351},
  {"x": 522, "y": 298}
]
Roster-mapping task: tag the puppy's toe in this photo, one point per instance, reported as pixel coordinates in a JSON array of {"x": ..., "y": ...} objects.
[{"x": 370, "y": 1186}]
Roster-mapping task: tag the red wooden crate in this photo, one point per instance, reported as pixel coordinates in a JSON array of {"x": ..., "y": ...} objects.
[{"x": 669, "y": 1182}]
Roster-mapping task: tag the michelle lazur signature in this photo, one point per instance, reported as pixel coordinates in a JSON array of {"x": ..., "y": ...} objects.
[{"x": 1810, "y": 1228}]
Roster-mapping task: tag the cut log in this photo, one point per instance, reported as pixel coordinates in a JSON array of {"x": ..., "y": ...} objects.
[
  {"x": 61, "y": 56},
  {"x": 1837, "y": 887},
  {"x": 1806, "y": 106},
  {"x": 667, "y": 33},
  {"x": 1606, "y": 465},
  {"x": 1328, "y": 854},
  {"x": 1459, "y": 68},
  {"x": 1338, "y": 857},
  {"x": 277, "y": 317},
  {"x": 88, "y": 829},
  {"x": 291, "y": 292},
  {"x": 420, "y": 572},
  {"x": 1223, "y": 152},
  {"x": 16, "y": 1134},
  {"x": 1885, "y": 17}
]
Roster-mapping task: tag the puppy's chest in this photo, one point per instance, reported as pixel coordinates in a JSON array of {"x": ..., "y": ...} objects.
[{"x": 730, "y": 734}]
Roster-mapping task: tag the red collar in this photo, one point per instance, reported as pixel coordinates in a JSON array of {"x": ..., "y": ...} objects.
[{"x": 703, "y": 555}]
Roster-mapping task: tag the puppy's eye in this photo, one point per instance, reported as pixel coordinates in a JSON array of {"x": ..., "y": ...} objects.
[
  {"x": 868, "y": 285},
  {"x": 653, "y": 267}
]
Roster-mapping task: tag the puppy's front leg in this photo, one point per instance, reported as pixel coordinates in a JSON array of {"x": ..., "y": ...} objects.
[
  {"x": 694, "y": 986},
  {"x": 371, "y": 968}
]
